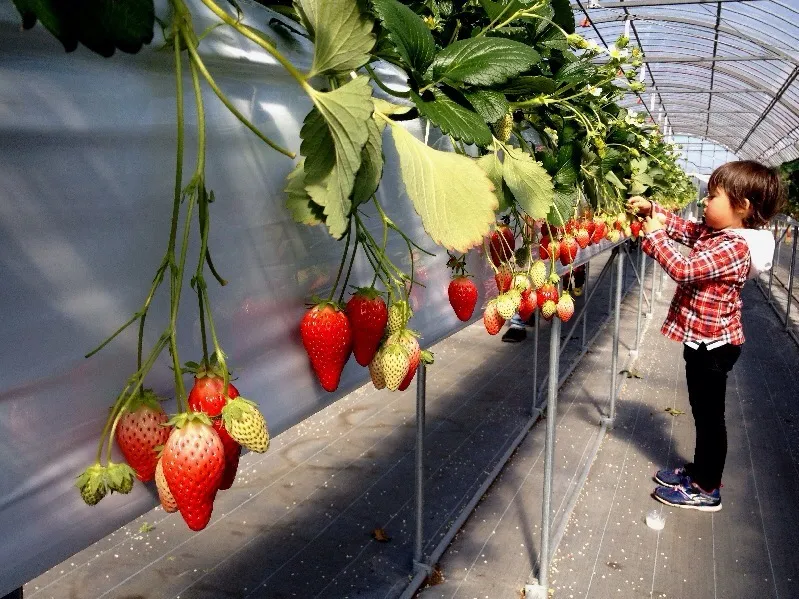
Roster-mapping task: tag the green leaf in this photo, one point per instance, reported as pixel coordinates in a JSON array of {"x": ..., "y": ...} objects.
[
  {"x": 303, "y": 210},
  {"x": 454, "y": 119},
  {"x": 611, "y": 159},
  {"x": 529, "y": 85},
  {"x": 562, "y": 207},
  {"x": 368, "y": 178},
  {"x": 611, "y": 177},
  {"x": 575, "y": 72},
  {"x": 342, "y": 35},
  {"x": 449, "y": 191},
  {"x": 489, "y": 104},
  {"x": 492, "y": 167},
  {"x": 564, "y": 15},
  {"x": 566, "y": 175},
  {"x": 554, "y": 38},
  {"x": 530, "y": 183},
  {"x": 483, "y": 61},
  {"x": 333, "y": 135},
  {"x": 503, "y": 11},
  {"x": 411, "y": 37},
  {"x": 100, "y": 25}
]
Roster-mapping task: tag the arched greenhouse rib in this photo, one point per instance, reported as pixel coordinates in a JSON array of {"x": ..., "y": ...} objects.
[{"x": 399, "y": 299}]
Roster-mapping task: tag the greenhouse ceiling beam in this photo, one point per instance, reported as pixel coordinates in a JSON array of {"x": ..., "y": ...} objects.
[
  {"x": 665, "y": 58},
  {"x": 791, "y": 78},
  {"x": 702, "y": 25},
  {"x": 743, "y": 90},
  {"x": 713, "y": 64}
]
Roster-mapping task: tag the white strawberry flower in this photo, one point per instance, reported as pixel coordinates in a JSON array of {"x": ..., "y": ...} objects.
[
  {"x": 593, "y": 90},
  {"x": 618, "y": 53}
]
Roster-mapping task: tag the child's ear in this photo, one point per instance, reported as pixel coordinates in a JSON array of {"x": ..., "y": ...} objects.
[{"x": 746, "y": 209}]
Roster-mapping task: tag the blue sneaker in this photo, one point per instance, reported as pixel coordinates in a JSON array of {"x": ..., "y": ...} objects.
[
  {"x": 689, "y": 497},
  {"x": 672, "y": 478}
]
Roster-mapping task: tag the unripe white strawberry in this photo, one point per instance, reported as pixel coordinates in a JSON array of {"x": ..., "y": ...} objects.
[
  {"x": 549, "y": 309},
  {"x": 538, "y": 274},
  {"x": 398, "y": 316},
  {"x": 521, "y": 281},
  {"x": 395, "y": 365},
  {"x": 506, "y": 307},
  {"x": 503, "y": 127},
  {"x": 565, "y": 307},
  {"x": 613, "y": 235},
  {"x": 516, "y": 295},
  {"x": 376, "y": 371}
]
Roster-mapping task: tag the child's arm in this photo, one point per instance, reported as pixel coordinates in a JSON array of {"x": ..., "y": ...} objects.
[
  {"x": 678, "y": 228},
  {"x": 727, "y": 259}
]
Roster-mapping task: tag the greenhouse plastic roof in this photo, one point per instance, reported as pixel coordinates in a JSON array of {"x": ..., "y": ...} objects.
[{"x": 723, "y": 70}]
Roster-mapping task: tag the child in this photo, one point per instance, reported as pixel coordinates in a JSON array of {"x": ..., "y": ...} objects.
[{"x": 705, "y": 314}]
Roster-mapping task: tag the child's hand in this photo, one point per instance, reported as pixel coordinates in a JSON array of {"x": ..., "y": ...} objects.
[
  {"x": 653, "y": 224},
  {"x": 639, "y": 205}
]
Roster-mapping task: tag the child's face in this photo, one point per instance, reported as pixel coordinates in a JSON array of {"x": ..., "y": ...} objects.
[{"x": 719, "y": 212}]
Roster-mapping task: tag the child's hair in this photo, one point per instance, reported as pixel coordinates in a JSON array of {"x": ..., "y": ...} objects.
[{"x": 749, "y": 180}]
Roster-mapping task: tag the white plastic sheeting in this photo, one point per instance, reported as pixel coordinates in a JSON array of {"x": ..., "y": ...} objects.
[{"x": 87, "y": 150}]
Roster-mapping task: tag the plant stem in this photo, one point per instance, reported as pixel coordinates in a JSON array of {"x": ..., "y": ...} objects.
[
  {"x": 349, "y": 270},
  {"x": 343, "y": 260},
  {"x": 394, "y": 92}
]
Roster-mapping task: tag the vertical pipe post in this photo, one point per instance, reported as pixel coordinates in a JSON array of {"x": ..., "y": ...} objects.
[
  {"x": 641, "y": 267},
  {"x": 549, "y": 451},
  {"x": 790, "y": 279},
  {"x": 775, "y": 257},
  {"x": 535, "y": 360},
  {"x": 583, "y": 339},
  {"x": 652, "y": 294},
  {"x": 610, "y": 286},
  {"x": 421, "y": 376},
  {"x": 614, "y": 360}
]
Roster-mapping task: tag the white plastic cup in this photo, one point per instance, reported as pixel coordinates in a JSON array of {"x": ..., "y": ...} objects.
[{"x": 655, "y": 520}]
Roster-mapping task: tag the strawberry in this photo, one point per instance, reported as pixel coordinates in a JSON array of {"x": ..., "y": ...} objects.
[
  {"x": 589, "y": 225},
  {"x": 368, "y": 315},
  {"x": 139, "y": 431},
  {"x": 327, "y": 337},
  {"x": 543, "y": 247},
  {"x": 232, "y": 454},
  {"x": 193, "y": 463},
  {"x": 521, "y": 281},
  {"x": 491, "y": 319},
  {"x": 551, "y": 251},
  {"x": 528, "y": 304},
  {"x": 503, "y": 127},
  {"x": 93, "y": 484},
  {"x": 635, "y": 228},
  {"x": 462, "y": 294},
  {"x": 164, "y": 494},
  {"x": 206, "y": 395},
  {"x": 549, "y": 309},
  {"x": 548, "y": 292},
  {"x": 376, "y": 371},
  {"x": 568, "y": 250},
  {"x": 245, "y": 423},
  {"x": 600, "y": 228},
  {"x": 395, "y": 363},
  {"x": 504, "y": 278},
  {"x": 613, "y": 235},
  {"x": 538, "y": 274},
  {"x": 407, "y": 339},
  {"x": 501, "y": 244},
  {"x": 583, "y": 238},
  {"x": 565, "y": 307},
  {"x": 506, "y": 307},
  {"x": 398, "y": 316}
]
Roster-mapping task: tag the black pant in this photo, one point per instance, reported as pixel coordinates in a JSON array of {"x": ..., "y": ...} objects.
[{"x": 706, "y": 373}]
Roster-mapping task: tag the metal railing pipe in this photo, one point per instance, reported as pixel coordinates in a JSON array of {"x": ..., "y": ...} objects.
[
  {"x": 642, "y": 264},
  {"x": 583, "y": 341},
  {"x": 421, "y": 389},
  {"x": 535, "y": 362},
  {"x": 790, "y": 280},
  {"x": 614, "y": 360}
]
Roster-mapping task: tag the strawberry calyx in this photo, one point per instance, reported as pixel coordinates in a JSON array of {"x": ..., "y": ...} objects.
[
  {"x": 185, "y": 418},
  {"x": 427, "y": 357},
  {"x": 120, "y": 477},
  {"x": 147, "y": 398},
  {"x": 369, "y": 293},
  {"x": 236, "y": 409},
  {"x": 93, "y": 484}
]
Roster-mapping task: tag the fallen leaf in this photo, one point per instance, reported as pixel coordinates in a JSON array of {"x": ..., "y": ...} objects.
[
  {"x": 631, "y": 374},
  {"x": 674, "y": 411},
  {"x": 146, "y": 527},
  {"x": 378, "y": 534}
]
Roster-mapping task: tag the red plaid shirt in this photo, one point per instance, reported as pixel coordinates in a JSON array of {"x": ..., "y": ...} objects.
[{"x": 707, "y": 303}]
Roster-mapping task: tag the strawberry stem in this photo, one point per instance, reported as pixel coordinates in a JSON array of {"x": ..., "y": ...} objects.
[
  {"x": 343, "y": 260},
  {"x": 349, "y": 270}
]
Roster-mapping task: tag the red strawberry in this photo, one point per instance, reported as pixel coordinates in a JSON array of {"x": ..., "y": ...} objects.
[
  {"x": 568, "y": 250},
  {"x": 589, "y": 225},
  {"x": 327, "y": 336},
  {"x": 462, "y": 294},
  {"x": 368, "y": 315},
  {"x": 193, "y": 462},
  {"x": 548, "y": 292},
  {"x": 491, "y": 319},
  {"x": 583, "y": 238},
  {"x": 543, "y": 247},
  {"x": 408, "y": 340},
  {"x": 501, "y": 244},
  {"x": 528, "y": 305},
  {"x": 504, "y": 278},
  {"x": 139, "y": 431},
  {"x": 548, "y": 250},
  {"x": 232, "y": 454},
  {"x": 600, "y": 228},
  {"x": 565, "y": 307},
  {"x": 206, "y": 395},
  {"x": 635, "y": 228}
]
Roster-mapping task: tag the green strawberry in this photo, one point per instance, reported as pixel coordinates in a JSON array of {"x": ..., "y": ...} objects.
[
  {"x": 398, "y": 316},
  {"x": 549, "y": 309},
  {"x": 376, "y": 370},
  {"x": 245, "y": 423},
  {"x": 505, "y": 305},
  {"x": 538, "y": 274},
  {"x": 93, "y": 484},
  {"x": 503, "y": 127}
]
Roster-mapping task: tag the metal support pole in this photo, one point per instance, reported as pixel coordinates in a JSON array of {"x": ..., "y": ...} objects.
[
  {"x": 583, "y": 340},
  {"x": 790, "y": 279},
  {"x": 775, "y": 259},
  {"x": 614, "y": 361},
  {"x": 16, "y": 594},
  {"x": 654, "y": 277},
  {"x": 421, "y": 380},
  {"x": 610, "y": 288},
  {"x": 641, "y": 267},
  {"x": 549, "y": 452},
  {"x": 535, "y": 362}
]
